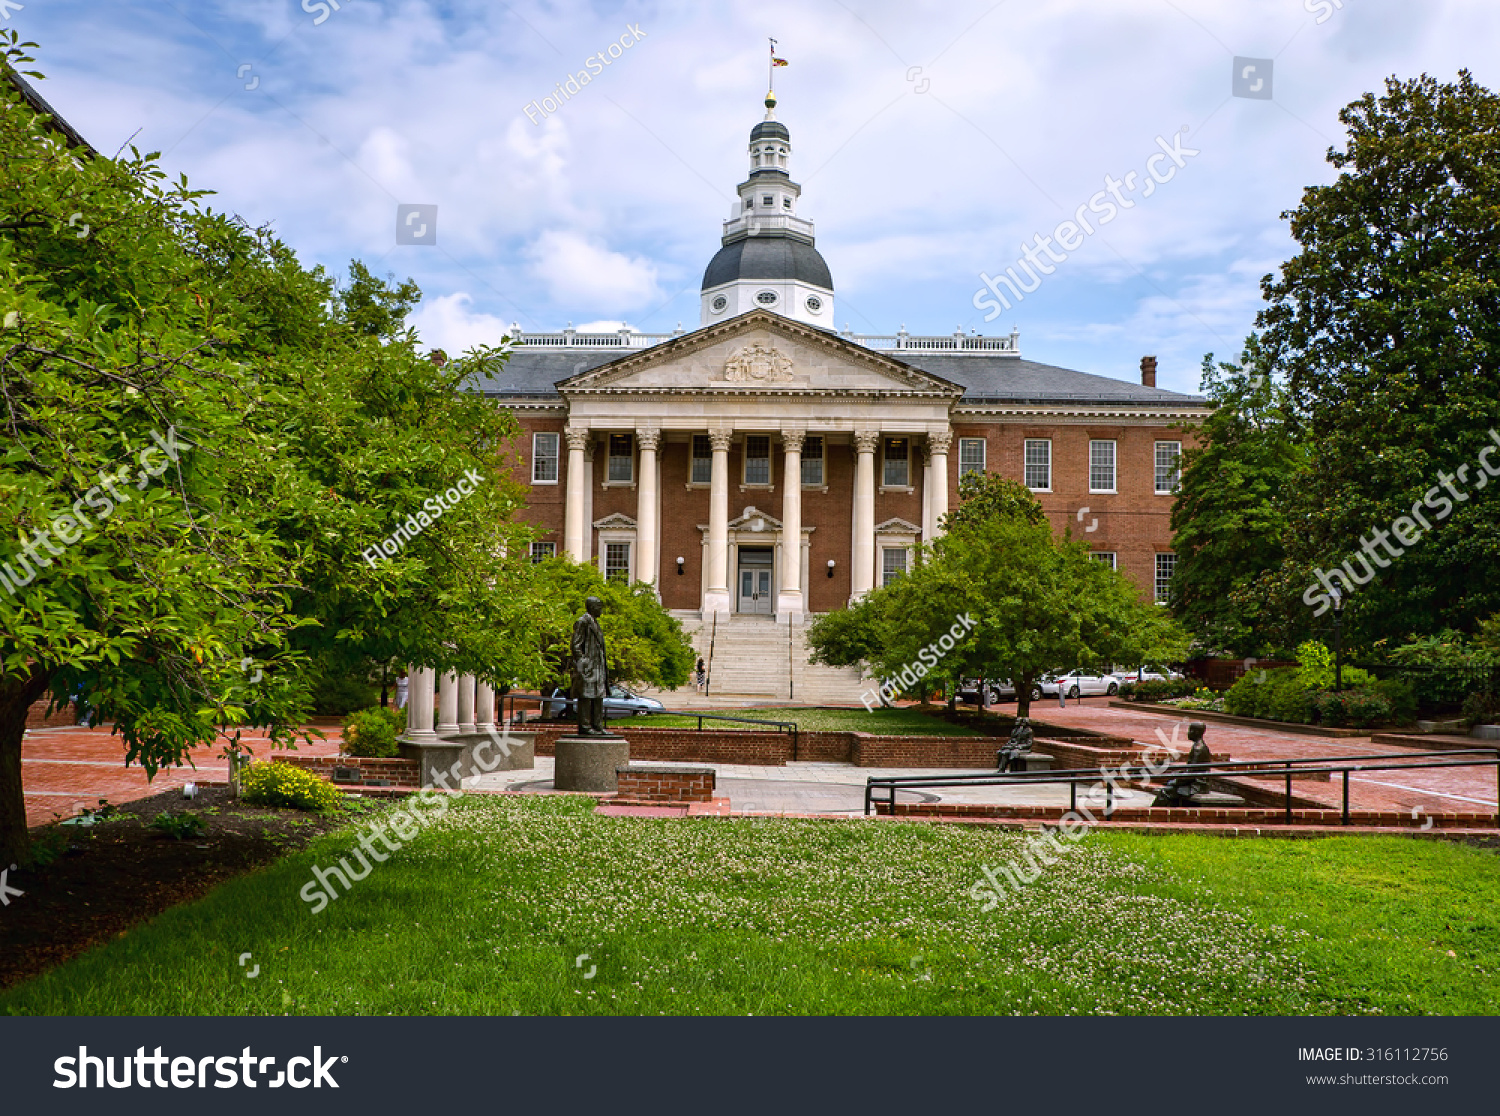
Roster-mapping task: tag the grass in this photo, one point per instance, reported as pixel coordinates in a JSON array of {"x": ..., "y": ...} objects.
[
  {"x": 540, "y": 906},
  {"x": 889, "y": 722}
]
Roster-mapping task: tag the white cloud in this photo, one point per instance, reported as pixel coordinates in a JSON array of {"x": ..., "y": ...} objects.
[
  {"x": 585, "y": 273},
  {"x": 448, "y": 322}
]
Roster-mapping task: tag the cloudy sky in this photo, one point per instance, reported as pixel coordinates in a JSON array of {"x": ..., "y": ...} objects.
[{"x": 931, "y": 140}]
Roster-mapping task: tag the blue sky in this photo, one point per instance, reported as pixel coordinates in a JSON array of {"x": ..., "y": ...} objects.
[{"x": 931, "y": 141}]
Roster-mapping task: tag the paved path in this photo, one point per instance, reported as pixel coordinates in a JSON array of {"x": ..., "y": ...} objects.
[
  {"x": 817, "y": 788},
  {"x": 66, "y": 769}
]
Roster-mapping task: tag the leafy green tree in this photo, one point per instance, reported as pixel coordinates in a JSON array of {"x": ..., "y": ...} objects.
[
  {"x": 1386, "y": 324},
  {"x": 1228, "y": 522},
  {"x": 199, "y": 462},
  {"x": 645, "y": 644},
  {"x": 1028, "y": 602}
]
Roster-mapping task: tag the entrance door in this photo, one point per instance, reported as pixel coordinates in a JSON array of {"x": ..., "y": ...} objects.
[{"x": 755, "y": 580}]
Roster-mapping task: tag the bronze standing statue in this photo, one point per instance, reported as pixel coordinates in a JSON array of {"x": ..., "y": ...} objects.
[{"x": 589, "y": 671}]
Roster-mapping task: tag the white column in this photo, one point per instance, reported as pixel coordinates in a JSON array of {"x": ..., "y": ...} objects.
[
  {"x": 716, "y": 596},
  {"x": 484, "y": 707},
  {"x": 647, "y": 563},
  {"x": 465, "y": 703},
  {"x": 862, "y": 571},
  {"x": 789, "y": 596},
  {"x": 419, "y": 704},
  {"x": 573, "y": 515},
  {"x": 937, "y": 450},
  {"x": 447, "y": 705}
]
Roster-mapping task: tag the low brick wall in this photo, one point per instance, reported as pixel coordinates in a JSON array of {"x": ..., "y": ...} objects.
[
  {"x": 665, "y": 784},
  {"x": 774, "y": 749},
  {"x": 61, "y": 717},
  {"x": 398, "y": 772},
  {"x": 1392, "y": 819}
]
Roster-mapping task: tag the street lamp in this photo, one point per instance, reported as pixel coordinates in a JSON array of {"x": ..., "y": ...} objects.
[{"x": 1338, "y": 638}]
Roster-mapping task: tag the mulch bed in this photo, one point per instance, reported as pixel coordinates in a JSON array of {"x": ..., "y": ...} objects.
[{"x": 109, "y": 877}]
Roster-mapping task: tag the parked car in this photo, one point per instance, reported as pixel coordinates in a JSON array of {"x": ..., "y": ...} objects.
[
  {"x": 1075, "y": 683},
  {"x": 995, "y": 691},
  {"x": 1148, "y": 674},
  {"x": 618, "y": 702}
]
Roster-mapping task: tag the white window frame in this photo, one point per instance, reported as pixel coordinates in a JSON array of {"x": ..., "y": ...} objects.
[
  {"x": 1163, "y": 585},
  {"x": 745, "y": 463},
  {"x": 1108, "y": 557},
  {"x": 538, "y": 457},
  {"x": 1114, "y": 464},
  {"x": 541, "y": 551},
  {"x": 1027, "y": 464},
  {"x": 1173, "y": 469},
  {"x": 809, "y": 458},
  {"x": 628, "y": 547},
  {"x": 610, "y": 458},
  {"x": 964, "y": 446},
  {"x": 886, "y": 484},
  {"x": 693, "y": 460},
  {"x": 886, "y": 571}
]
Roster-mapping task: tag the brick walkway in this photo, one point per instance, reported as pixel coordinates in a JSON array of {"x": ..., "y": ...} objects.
[
  {"x": 66, "y": 769},
  {"x": 1447, "y": 788}
]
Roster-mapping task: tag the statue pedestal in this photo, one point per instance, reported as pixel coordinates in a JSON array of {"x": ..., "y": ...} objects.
[{"x": 588, "y": 763}]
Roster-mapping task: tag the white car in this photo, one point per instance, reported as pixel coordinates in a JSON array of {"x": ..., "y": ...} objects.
[
  {"x": 1149, "y": 674},
  {"x": 1076, "y": 683}
]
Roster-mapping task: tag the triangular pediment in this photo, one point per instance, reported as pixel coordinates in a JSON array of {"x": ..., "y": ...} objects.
[
  {"x": 897, "y": 526},
  {"x": 759, "y": 353},
  {"x": 618, "y": 521}
]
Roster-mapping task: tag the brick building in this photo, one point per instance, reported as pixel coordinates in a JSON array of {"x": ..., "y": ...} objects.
[{"x": 767, "y": 465}]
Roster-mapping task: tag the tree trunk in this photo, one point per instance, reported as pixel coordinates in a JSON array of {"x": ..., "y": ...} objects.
[
  {"x": 1023, "y": 697},
  {"x": 17, "y": 692}
]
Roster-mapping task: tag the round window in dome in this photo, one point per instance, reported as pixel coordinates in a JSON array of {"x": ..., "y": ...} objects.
[
  {"x": 766, "y": 298},
  {"x": 813, "y": 304},
  {"x": 719, "y": 303}
]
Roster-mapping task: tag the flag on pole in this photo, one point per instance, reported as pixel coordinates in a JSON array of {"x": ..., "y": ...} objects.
[{"x": 778, "y": 61}]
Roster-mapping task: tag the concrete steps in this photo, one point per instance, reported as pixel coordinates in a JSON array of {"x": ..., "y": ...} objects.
[{"x": 760, "y": 660}]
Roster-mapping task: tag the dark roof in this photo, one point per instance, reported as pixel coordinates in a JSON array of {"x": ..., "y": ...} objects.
[
  {"x": 534, "y": 374},
  {"x": 39, "y": 104},
  {"x": 770, "y": 257},
  {"x": 769, "y": 128},
  {"x": 997, "y": 379},
  {"x": 1016, "y": 380}
]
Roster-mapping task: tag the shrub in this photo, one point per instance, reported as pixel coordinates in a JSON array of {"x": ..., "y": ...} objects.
[
  {"x": 1315, "y": 668},
  {"x": 1360, "y": 708},
  {"x": 372, "y": 732},
  {"x": 1158, "y": 689},
  {"x": 1401, "y": 693},
  {"x": 1482, "y": 709},
  {"x": 1276, "y": 695},
  {"x": 178, "y": 826},
  {"x": 281, "y": 784}
]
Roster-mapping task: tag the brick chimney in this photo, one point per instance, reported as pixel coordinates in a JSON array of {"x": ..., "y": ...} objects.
[{"x": 1148, "y": 371}]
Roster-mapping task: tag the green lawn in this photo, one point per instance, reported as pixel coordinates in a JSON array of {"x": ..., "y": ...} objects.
[
  {"x": 491, "y": 908},
  {"x": 890, "y": 722}
]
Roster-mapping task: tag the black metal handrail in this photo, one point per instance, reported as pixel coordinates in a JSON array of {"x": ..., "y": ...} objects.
[{"x": 1288, "y": 767}]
